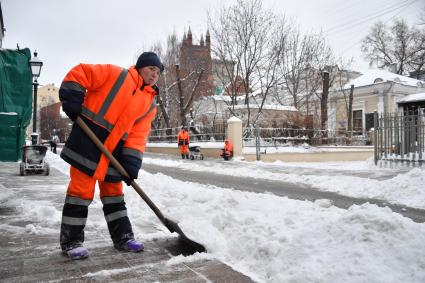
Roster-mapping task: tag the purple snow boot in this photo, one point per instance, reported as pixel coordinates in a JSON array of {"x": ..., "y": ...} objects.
[
  {"x": 77, "y": 253},
  {"x": 130, "y": 246}
]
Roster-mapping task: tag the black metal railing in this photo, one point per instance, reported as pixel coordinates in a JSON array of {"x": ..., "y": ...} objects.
[
  {"x": 399, "y": 136},
  {"x": 197, "y": 133},
  {"x": 291, "y": 136}
]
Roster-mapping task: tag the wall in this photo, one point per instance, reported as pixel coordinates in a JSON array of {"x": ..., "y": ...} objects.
[
  {"x": 47, "y": 95},
  {"x": 207, "y": 152},
  {"x": 314, "y": 156},
  {"x": 349, "y": 155}
]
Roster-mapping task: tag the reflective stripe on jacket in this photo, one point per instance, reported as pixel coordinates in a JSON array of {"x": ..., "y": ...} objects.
[
  {"x": 228, "y": 147},
  {"x": 118, "y": 110}
]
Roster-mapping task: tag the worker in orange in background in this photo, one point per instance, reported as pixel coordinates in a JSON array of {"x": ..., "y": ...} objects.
[
  {"x": 118, "y": 104},
  {"x": 227, "y": 150},
  {"x": 183, "y": 140}
]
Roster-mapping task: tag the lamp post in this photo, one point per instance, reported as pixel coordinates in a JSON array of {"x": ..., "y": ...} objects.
[{"x": 36, "y": 65}]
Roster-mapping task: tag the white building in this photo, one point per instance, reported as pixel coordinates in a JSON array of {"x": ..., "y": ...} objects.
[{"x": 375, "y": 90}]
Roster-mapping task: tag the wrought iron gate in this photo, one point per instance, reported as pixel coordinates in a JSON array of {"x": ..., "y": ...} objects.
[{"x": 399, "y": 136}]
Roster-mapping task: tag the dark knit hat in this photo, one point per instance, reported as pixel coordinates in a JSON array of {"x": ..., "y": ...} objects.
[{"x": 149, "y": 59}]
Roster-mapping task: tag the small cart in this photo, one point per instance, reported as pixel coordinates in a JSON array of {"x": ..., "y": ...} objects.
[
  {"x": 33, "y": 160},
  {"x": 195, "y": 152}
]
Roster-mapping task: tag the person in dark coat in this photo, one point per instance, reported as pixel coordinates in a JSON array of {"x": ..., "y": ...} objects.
[{"x": 53, "y": 146}]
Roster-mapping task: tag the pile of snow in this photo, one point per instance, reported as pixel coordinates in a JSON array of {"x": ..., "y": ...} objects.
[
  {"x": 269, "y": 238},
  {"x": 404, "y": 188}
]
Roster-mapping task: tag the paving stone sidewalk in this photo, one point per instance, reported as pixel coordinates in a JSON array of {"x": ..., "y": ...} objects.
[{"x": 32, "y": 257}]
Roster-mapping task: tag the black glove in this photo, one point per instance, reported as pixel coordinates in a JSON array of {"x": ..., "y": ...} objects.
[
  {"x": 127, "y": 180},
  {"x": 71, "y": 95},
  {"x": 132, "y": 166},
  {"x": 72, "y": 109}
]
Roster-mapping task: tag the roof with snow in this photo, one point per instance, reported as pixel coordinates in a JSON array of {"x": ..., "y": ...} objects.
[
  {"x": 412, "y": 98},
  {"x": 268, "y": 107},
  {"x": 372, "y": 76},
  {"x": 225, "y": 97},
  {"x": 234, "y": 119}
]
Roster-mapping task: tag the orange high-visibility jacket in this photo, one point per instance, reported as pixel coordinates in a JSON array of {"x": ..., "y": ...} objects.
[
  {"x": 117, "y": 107},
  {"x": 228, "y": 147},
  {"x": 184, "y": 137}
]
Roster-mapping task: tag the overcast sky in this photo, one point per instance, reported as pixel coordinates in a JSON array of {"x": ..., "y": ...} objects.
[{"x": 67, "y": 32}]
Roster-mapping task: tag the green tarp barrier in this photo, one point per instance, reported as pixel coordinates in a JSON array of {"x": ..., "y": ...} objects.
[{"x": 15, "y": 101}]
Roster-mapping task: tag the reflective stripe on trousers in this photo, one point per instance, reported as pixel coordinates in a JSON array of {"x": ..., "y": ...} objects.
[{"x": 79, "y": 196}]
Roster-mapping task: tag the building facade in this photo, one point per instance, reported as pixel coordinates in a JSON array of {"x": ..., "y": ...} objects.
[
  {"x": 46, "y": 95},
  {"x": 54, "y": 124},
  {"x": 195, "y": 57},
  {"x": 375, "y": 90}
]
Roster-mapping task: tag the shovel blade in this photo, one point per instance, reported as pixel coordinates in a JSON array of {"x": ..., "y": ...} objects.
[{"x": 174, "y": 227}]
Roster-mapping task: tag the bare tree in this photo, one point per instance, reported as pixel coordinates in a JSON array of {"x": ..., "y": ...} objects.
[
  {"x": 185, "y": 103},
  {"x": 399, "y": 47},
  {"x": 305, "y": 59},
  {"x": 305, "y": 56},
  {"x": 177, "y": 92},
  {"x": 268, "y": 69},
  {"x": 167, "y": 80},
  {"x": 342, "y": 76},
  {"x": 295, "y": 61},
  {"x": 422, "y": 17},
  {"x": 51, "y": 123},
  {"x": 243, "y": 40}
]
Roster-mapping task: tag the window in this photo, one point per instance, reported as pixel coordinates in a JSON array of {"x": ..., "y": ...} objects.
[
  {"x": 358, "y": 120},
  {"x": 369, "y": 117}
]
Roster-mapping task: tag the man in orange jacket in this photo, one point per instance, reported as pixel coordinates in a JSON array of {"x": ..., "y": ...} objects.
[
  {"x": 227, "y": 150},
  {"x": 183, "y": 140},
  {"x": 118, "y": 105}
]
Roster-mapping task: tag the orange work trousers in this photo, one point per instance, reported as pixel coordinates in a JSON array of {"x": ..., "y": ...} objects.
[
  {"x": 184, "y": 149},
  {"x": 82, "y": 186}
]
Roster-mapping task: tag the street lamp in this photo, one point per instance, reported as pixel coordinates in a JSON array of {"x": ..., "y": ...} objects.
[{"x": 36, "y": 65}]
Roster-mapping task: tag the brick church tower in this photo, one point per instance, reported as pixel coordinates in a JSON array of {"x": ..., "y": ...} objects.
[{"x": 196, "y": 57}]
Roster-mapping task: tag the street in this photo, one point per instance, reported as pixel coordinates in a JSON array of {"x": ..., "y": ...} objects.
[{"x": 281, "y": 188}]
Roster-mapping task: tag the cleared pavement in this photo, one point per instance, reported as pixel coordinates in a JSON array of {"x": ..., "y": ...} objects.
[{"x": 36, "y": 257}]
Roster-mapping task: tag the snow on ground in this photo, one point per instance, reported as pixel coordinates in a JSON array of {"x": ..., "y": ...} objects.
[
  {"x": 405, "y": 187},
  {"x": 303, "y": 148},
  {"x": 276, "y": 239},
  {"x": 271, "y": 149}
]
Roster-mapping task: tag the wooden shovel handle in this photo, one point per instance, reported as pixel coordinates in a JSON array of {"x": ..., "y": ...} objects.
[{"x": 119, "y": 168}]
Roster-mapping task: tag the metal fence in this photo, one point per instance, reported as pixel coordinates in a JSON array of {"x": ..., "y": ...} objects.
[
  {"x": 399, "y": 136},
  {"x": 215, "y": 132},
  {"x": 267, "y": 137}
]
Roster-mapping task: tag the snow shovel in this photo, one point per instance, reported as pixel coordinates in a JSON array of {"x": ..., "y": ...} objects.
[{"x": 172, "y": 226}]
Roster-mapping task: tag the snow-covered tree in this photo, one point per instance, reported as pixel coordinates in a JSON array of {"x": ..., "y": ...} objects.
[
  {"x": 249, "y": 39},
  {"x": 398, "y": 47}
]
